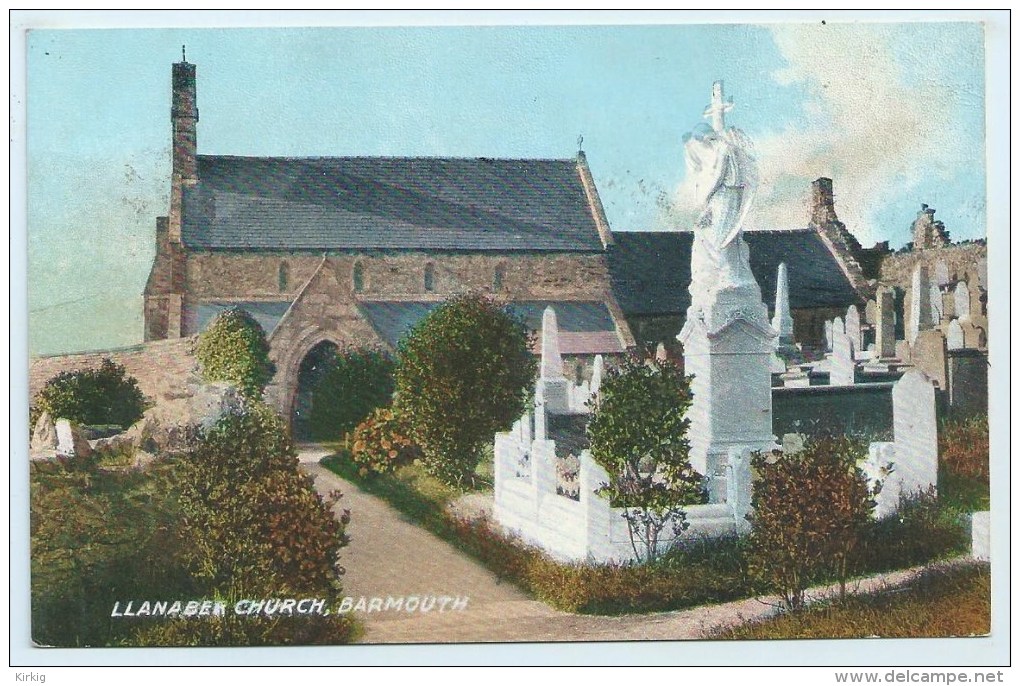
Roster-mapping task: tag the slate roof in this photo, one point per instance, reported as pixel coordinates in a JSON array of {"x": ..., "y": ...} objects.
[
  {"x": 388, "y": 203},
  {"x": 651, "y": 271},
  {"x": 585, "y": 327},
  {"x": 267, "y": 314}
]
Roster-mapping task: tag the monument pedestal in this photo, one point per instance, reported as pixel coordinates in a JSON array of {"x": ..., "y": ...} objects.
[{"x": 729, "y": 348}]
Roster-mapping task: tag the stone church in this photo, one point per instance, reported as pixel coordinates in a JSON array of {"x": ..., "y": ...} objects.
[{"x": 329, "y": 252}]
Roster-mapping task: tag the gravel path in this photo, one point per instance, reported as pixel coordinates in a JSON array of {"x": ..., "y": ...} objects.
[{"x": 390, "y": 556}]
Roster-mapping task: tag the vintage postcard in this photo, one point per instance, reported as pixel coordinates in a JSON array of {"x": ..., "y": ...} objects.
[{"x": 507, "y": 333}]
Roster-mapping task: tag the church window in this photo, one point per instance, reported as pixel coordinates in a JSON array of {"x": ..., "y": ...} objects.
[
  {"x": 430, "y": 277},
  {"x": 498, "y": 277},
  {"x": 283, "y": 276},
  {"x": 358, "y": 277}
]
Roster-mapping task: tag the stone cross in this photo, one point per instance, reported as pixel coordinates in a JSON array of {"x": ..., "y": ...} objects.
[{"x": 717, "y": 109}]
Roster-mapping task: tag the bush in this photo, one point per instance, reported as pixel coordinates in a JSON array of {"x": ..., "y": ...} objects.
[
  {"x": 963, "y": 463},
  {"x": 234, "y": 348},
  {"x": 922, "y": 530},
  {"x": 251, "y": 521},
  {"x": 811, "y": 510},
  {"x": 359, "y": 381},
  {"x": 638, "y": 434},
  {"x": 106, "y": 395},
  {"x": 463, "y": 373},
  {"x": 381, "y": 443}
]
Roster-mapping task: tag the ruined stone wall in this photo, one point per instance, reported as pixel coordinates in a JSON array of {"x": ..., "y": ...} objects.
[
  {"x": 212, "y": 275},
  {"x": 162, "y": 368},
  {"x": 961, "y": 259}
]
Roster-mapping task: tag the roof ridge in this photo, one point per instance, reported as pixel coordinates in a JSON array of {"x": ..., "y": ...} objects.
[{"x": 464, "y": 158}]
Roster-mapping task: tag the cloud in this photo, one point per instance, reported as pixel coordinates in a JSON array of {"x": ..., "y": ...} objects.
[{"x": 877, "y": 118}]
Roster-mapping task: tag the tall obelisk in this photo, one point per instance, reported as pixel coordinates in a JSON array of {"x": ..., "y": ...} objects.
[{"x": 728, "y": 340}]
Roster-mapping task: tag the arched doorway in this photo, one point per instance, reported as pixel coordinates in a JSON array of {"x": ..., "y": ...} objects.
[{"x": 313, "y": 366}]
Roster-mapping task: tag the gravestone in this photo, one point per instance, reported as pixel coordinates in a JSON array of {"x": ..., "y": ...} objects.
[
  {"x": 915, "y": 432},
  {"x": 841, "y": 364},
  {"x": 71, "y": 442},
  {"x": 885, "y": 334},
  {"x": 929, "y": 355},
  {"x": 880, "y": 467},
  {"x": 954, "y": 336},
  {"x": 919, "y": 315},
  {"x": 552, "y": 392},
  {"x": 871, "y": 312},
  {"x": 941, "y": 273},
  {"x": 837, "y": 325},
  {"x": 961, "y": 301},
  {"x": 973, "y": 336},
  {"x": 597, "y": 370},
  {"x": 782, "y": 321},
  {"x": 937, "y": 310},
  {"x": 44, "y": 436},
  {"x": 853, "y": 327},
  {"x": 828, "y": 335},
  {"x": 660, "y": 353},
  {"x": 980, "y": 536}
]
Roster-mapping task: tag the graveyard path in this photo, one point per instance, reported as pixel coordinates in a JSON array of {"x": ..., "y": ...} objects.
[{"x": 390, "y": 556}]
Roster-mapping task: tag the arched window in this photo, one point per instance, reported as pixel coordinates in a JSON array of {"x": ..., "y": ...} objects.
[
  {"x": 498, "y": 277},
  {"x": 358, "y": 277},
  {"x": 430, "y": 277},
  {"x": 283, "y": 276}
]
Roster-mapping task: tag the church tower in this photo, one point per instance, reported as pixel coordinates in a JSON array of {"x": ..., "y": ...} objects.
[{"x": 184, "y": 118}]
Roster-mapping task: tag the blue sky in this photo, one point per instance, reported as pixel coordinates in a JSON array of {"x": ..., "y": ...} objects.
[{"x": 893, "y": 112}]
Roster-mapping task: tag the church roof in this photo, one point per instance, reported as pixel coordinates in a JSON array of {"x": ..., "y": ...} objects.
[
  {"x": 651, "y": 271},
  {"x": 585, "y": 327},
  {"x": 388, "y": 203}
]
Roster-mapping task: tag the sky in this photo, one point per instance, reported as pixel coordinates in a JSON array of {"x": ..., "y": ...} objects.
[{"x": 894, "y": 113}]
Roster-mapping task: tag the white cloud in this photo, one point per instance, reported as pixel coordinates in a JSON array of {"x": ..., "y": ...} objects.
[{"x": 876, "y": 125}]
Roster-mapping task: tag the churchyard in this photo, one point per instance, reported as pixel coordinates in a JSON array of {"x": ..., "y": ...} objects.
[{"x": 751, "y": 464}]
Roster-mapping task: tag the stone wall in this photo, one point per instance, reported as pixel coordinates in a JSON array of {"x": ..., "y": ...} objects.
[
  {"x": 212, "y": 275},
  {"x": 162, "y": 368},
  {"x": 961, "y": 259}
]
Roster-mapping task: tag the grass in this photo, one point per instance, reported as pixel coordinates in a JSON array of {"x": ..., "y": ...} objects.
[
  {"x": 943, "y": 601},
  {"x": 963, "y": 464}
]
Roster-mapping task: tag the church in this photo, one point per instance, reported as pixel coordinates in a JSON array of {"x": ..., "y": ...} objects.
[{"x": 331, "y": 252}]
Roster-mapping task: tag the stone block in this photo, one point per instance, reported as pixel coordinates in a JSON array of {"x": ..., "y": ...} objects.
[
  {"x": 980, "y": 536},
  {"x": 915, "y": 432},
  {"x": 929, "y": 355}
]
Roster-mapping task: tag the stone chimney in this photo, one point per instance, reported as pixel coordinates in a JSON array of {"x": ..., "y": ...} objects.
[
  {"x": 184, "y": 121},
  {"x": 841, "y": 243},
  {"x": 823, "y": 208}
]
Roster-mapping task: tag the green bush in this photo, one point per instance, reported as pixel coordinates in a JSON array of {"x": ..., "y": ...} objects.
[
  {"x": 234, "y": 348},
  {"x": 463, "y": 373},
  {"x": 922, "y": 530},
  {"x": 963, "y": 463},
  {"x": 638, "y": 434},
  {"x": 359, "y": 381},
  {"x": 103, "y": 395},
  {"x": 811, "y": 510},
  {"x": 382, "y": 443}
]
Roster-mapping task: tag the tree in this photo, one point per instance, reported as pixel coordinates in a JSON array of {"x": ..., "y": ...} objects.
[
  {"x": 811, "y": 509},
  {"x": 638, "y": 434},
  {"x": 234, "y": 348},
  {"x": 357, "y": 382},
  {"x": 463, "y": 373},
  {"x": 104, "y": 395}
]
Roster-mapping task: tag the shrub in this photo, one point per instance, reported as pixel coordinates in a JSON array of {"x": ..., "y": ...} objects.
[
  {"x": 638, "y": 434},
  {"x": 252, "y": 522},
  {"x": 811, "y": 509},
  {"x": 104, "y": 395},
  {"x": 963, "y": 463},
  {"x": 463, "y": 373},
  {"x": 381, "y": 443},
  {"x": 234, "y": 348},
  {"x": 358, "y": 381},
  {"x": 922, "y": 530}
]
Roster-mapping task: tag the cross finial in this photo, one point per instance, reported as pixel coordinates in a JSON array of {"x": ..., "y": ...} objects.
[
  {"x": 580, "y": 142},
  {"x": 717, "y": 109},
  {"x": 184, "y": 56}
]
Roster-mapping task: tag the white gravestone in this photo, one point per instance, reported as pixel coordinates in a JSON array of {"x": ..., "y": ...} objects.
[
  {"x": 828, "y": 336},
  {"x": 980, "y": 536},
  {"x": 552, "y": 392},
  {"x": 729, "y": 343},
  {"x": 915, "y": 432},
  {"x": 782, "y": 320},
  {"x": 937, "y": 310},
  {"x": 853, "y": 327},
  {"x": 880, "y": 467},
  {"x": 885, "y": 334},
  {"x": 954, "y": 336},
  {"x": 841, "y": 365},
  {"x": 961, "y": 301}
]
